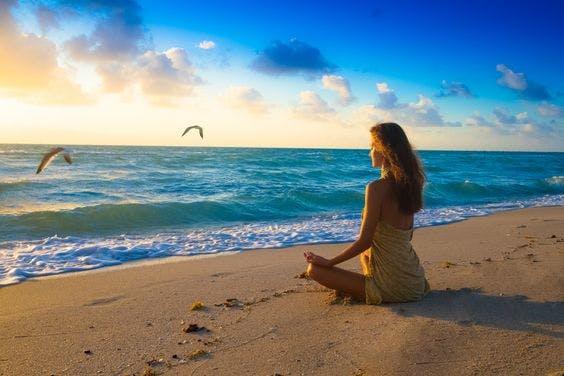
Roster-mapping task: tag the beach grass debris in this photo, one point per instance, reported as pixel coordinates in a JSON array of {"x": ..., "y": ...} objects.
[
  {"x": 149, "y": 372},
  {"x": 256, "y": 301},
  {"x": 231, "y": 302},
  {"x": 278, "y": 294},
  {"x": 447, "y": 264},
  {"x": 489, "y": 259},
  {"x": 197, "y": 306},
  {"x": 196, "y": 354},
  {"x": 156, "y": 362},
  {"x": 194, "y": 328}
]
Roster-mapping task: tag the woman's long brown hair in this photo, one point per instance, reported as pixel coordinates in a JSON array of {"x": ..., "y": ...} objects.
[{"x": 404, "y": 165}]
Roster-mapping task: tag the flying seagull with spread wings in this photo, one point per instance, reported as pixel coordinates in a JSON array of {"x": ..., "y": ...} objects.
[
  {"x": 49, "y": 156},
  {"x": 194, "y": 127}
]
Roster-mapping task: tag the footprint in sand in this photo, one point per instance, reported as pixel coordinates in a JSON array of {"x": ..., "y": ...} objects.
[{"x": 103, "y": 301}]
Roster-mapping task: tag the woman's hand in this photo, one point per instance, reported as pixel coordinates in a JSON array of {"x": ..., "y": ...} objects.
[{"x": 312, "y": 258}]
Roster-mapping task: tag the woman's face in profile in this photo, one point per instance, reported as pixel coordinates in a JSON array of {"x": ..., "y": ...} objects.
[{"x": 376, "y": 156}]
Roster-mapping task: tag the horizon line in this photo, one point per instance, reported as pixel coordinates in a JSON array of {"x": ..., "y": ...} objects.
[{"x": 280, "y": 147}]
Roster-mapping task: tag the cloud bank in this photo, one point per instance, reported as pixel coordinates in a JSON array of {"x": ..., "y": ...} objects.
[{"x": 29, "y": 68}]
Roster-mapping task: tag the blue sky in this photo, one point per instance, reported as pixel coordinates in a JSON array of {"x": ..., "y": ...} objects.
[
  {"x": 419, "y": 42},
  {"x": 444, "y": 68}
]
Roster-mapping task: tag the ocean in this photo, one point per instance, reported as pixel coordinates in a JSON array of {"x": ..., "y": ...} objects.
[{"x": 120, "y": 203}]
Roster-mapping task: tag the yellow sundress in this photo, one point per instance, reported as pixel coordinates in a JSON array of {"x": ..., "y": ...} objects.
[{"x": 392, "y": 269}]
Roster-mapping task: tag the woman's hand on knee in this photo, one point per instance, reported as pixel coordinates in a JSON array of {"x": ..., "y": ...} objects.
[{"x": 314, "y": 259}]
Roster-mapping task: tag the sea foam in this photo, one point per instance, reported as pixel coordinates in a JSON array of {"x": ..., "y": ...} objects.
[{"x": 54, "y": 255}]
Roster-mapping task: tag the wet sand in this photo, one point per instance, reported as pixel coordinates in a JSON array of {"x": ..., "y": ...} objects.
[{"x": 497, "y": 307}]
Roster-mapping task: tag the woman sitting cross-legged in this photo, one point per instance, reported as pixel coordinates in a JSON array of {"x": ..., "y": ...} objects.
[{"x": 391, "y": 269}]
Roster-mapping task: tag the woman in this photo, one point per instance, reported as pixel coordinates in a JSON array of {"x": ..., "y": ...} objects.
[{"x": 391, "y": 269}]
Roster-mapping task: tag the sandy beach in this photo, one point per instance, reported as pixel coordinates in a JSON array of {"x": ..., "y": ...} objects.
[{"x": 496, "y": 308}]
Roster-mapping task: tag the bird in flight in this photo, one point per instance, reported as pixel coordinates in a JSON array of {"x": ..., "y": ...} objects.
[
  {"x": 194, "y": 127},
  {"x": 49, "y": 156}
]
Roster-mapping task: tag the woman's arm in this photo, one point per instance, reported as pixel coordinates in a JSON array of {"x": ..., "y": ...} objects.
[
  {"x": 372, "y": 203},
  {"x": 372, "y": 207}
]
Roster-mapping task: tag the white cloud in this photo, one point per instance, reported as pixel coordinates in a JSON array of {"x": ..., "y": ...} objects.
[
  {"x": 388, "y": 98},
  {"x": 166, "y": 76},
  {"x": 504, "y": 122},
  {"x": 382, "y": 87},
  {"x": 526, "y": 89},
  {"x": 425, "y": 113},
  {"x": 369, "y": 115},
  {"x": 29, "y": 68},
  {"x": 118, "y": 33},
  {"x": 311, "y": 105},
  {"x": 510, "y": 79},
  {"x": 206, "y": 45},
  {"x": 163, "y": 77},
  {"x": 454, "y": 89},
  {"x": 314, "y": 108},
  {"x": 422, "y": 113},
  {"x": 115, "y": 76},
  {"x": 550, "y": 110},
  {"x": 339, "y": 85},
  {"x": 245, "y": 97},
  {"x": 504, "y": 117},
  {"x": 478, "y": 120}
]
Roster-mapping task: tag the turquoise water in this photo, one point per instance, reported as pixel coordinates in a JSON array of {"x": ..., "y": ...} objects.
[{"x": 116, "y": 204}]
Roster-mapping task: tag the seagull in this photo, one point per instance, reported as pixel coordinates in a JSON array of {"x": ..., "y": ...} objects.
[
  {"x": 195, "y": 127},
  {"x": 48, "y": 157}
]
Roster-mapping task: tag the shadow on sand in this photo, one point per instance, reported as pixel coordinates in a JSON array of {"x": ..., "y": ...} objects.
[{"x": 468, "y": 306}]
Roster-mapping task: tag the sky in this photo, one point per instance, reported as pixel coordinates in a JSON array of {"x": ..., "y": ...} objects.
[{"x": 476, "y": 75}]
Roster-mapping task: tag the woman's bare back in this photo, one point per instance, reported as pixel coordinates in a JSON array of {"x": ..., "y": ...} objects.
[{"x": 390, "y": 212}]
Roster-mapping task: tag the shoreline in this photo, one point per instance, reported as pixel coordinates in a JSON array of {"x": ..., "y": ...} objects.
[
  {"x": 173, "y": 259},
  {"x": 496, "y": 307}
]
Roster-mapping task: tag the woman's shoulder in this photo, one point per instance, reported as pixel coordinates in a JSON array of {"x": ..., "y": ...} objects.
[
  {"x": 381, "y": 185},
  {"x": 378, "y": 188}
]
